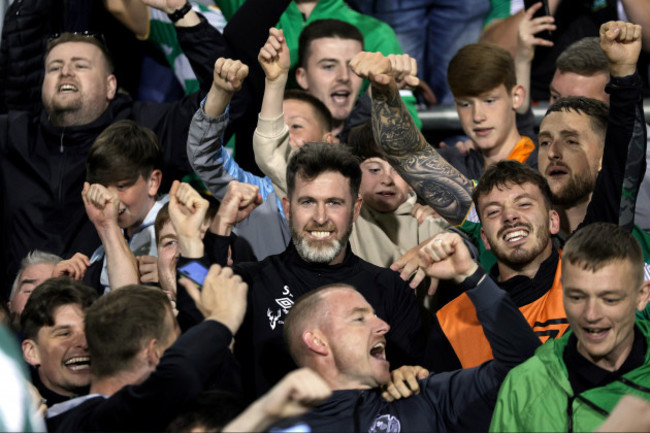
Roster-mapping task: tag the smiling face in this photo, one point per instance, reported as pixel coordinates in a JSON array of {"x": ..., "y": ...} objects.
[
  {"x": 60, "y": 352},
  {"x": 328, "y": 77},
  {"x": 136, "y": 200},
  {"x": 571, "y": 84},
  {"x": 489, "y": 119},
  {"x": 570, "y": 154},
  {"x": 301, "y": 118},
  {"x": 356, "y": 340},
  {"x": 77, "y": 86},
  {"x": 382, "y": 189},
  {"x": 517, "y": 224},
  {"x": 321, "y": 213},
  {"x": 600, "y": 306}
]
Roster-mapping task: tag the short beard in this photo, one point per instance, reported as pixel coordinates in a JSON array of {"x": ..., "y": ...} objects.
[
  {"x": 326, "y": 253},
  {"x": 520, "y": 257},
  {"x": 576, "y": 191}
]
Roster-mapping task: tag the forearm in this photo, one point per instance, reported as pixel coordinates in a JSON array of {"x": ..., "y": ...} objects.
[
  {"x": 510, "y": 336},
  {"x": 121, "y": 264},
  {"x": 638, "y": 12},
  {"x": 216, "y": 102},
  {"x": 433, "y": 179},
  {"x": 273, "y": 97}
]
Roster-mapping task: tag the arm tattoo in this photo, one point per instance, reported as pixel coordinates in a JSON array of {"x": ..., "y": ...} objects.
[{"x": 430, "y": 175}]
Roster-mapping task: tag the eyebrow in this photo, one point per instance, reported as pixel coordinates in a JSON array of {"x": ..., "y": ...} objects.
[
  {"x": 519, "y": 197},
  {"x": 27, "y": 281},
  {"x": 362, "y": 310},
  {"x": 562, "y": 133},
  {"x": 168, "y": 236},
  {"x": 74, "y": 59},
  {"x": 328, "y": 59}
]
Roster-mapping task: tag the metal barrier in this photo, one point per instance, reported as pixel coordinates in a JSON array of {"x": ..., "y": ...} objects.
[{"x": 444, "y": 117}]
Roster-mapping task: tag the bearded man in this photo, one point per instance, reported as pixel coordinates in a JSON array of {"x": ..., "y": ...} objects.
[{"x": 323, "y": 201}]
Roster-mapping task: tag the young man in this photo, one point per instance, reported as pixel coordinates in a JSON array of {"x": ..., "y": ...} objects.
[
  {"x": 325, "y": 48},
  {"x": 54, "y": 342},
  {"x": 123, "y": 173},
  {"x": 483, "y": 81},
  {"x": 572, "y": 384},
  {"x": 335, "y": 331}
]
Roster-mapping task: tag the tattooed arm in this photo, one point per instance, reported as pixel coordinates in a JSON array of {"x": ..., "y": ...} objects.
[{"x": 431, "y": 176}]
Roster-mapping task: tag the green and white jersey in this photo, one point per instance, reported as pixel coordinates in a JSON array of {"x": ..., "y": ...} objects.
[{"x": 163, "y": 34}]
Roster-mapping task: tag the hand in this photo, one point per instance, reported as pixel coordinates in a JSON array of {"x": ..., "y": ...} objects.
[
  {"x": 229, "y": 75},
  {"x": 274, "y": 55},
  {"x": 374, "y": 67},
  {"x": 187, "y": 210},
  {"x": 102, "y": 205},
  {"x": 404, "y": 69},
  {"x": 421, "y": 212},
  {"x": 240, "y": 200},
  {"x": 222, "y": 297},
  {"x": 410, "y": 266},
  {"x": 446, "y": 257},
  {"x": 148, "y": 269},
  {"x": 404, "y": 382},
  {"x": 621, "y": 43},
  {"x": 75, "y": 267},
  {"x": 298, "y": 392},
  {"x": 528, "y": 28}
]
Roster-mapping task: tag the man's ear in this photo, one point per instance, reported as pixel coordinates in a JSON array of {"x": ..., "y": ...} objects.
[
  {"x": 644, "y": 296},
  {"x": 153, "y": 353},
  {"x": 314, "y": 341},
  {"x": 553, "y": 222},
  {"x": 286, "y": 206},
  {"x": 31, "y": 353},
  {"x": 518, "y": 95},
  {"x": 154, "y": 182},
  {"x": 357, "y": 207},
  {"x": 485, "y": 240},
  {"x": 301, "y": 78},
  {"x": 330, "y": 138},
  {"x": 111, "y": 87}
]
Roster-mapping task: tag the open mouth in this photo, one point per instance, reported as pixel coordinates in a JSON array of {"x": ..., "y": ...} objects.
[
  {"x": 515, "y": 236},
  {"x": 386, "y": 194},
  {"x": 341, "y": 97},
  {"x": 555, "y": 171},
  {"x": 78, "y": 363},
  {"x": 482, "y": 132},
  {"x": 121, "y": 211},
  {"x": 378, "y": 351},
  {"x": 65, "y": 88},
  {"x": 320, "y": 234}
]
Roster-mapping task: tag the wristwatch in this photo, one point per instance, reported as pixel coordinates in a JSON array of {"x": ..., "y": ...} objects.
[{"x": 178, "y": 14}]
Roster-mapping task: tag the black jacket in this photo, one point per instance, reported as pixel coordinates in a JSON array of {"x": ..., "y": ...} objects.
[
  {"x": 462, "y": 400},
  {"x": 278, "y": 281},
  {"x": 43, "y": 167},
  {"x": 184, "y": 371}
]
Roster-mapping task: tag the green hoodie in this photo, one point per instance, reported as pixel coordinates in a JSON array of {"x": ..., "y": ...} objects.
[
  {"x": 377, "y": 35},
  {"x": 537, "y": 396}
]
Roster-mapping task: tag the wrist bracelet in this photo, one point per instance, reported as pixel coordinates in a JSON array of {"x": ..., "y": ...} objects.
[
  {"x": 178, "y": 14},
  {"x": 473, "y": 280}
]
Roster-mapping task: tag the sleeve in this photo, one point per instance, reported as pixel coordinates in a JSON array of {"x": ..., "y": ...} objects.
[
  {"x": 467, "y": 397},
  {"x": 271, "y": 148},
  {"x": 623, "y": 163},
  {"x": 212, "y": 162}
]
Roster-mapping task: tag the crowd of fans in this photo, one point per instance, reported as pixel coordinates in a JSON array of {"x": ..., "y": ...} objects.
[{"x": 254, "y": 234}]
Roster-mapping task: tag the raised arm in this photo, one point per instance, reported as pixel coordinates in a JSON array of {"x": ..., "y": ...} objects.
[
  {"x": 433, "y": 179},
  {"x": 102, "y": 208}
]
